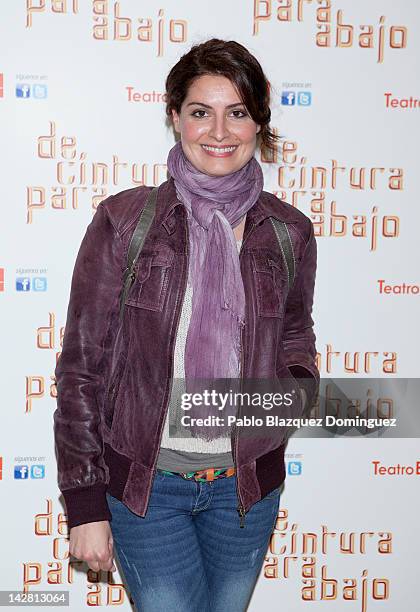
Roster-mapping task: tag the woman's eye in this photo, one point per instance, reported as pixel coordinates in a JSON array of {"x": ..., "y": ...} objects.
[
  {"x": 242, "y": 114},
  {"x": 237, "y": 116}
]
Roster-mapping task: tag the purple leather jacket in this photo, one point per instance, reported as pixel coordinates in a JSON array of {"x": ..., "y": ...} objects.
[{"x": 114, "y": 380}]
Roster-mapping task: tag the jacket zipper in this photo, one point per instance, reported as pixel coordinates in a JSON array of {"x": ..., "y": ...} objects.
[
  {"x": 110, "y": 401},
  {"x": 172, "y": 362},
  {"x": 112, "y": 393},
  {"x": 240, "y": 508}
]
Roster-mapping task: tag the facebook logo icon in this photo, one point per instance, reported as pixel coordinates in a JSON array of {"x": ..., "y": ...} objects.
[
  {"x": 21, "y": 472},
  {"x": 39, "y": 283},
  {"x": 37, "y": 471},
  {"x": 23, "y": 90},
  {"x": 294, "y": 468},
  {"x": 288, "y": 98},
  {"x": 23, "y": 283}
]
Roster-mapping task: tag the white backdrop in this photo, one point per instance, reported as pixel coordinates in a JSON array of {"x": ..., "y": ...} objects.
[{"x": 82, "y": 116}]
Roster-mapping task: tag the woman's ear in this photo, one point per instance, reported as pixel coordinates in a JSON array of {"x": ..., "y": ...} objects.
[{"x": 175, "y": 120}]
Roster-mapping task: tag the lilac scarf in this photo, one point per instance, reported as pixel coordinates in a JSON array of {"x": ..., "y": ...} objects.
[{"x": 215, "y": 205}]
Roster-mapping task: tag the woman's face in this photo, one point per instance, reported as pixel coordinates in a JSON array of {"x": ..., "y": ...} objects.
[{"x": 218, "y": 136}]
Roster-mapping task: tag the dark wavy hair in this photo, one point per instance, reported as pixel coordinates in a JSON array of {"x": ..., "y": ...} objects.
[{"x": 232, "y": 60}]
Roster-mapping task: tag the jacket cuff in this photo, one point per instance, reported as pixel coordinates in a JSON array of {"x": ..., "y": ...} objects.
[
  {"x": 297, "y": 359},
  {"x": 86, "y": 504}
]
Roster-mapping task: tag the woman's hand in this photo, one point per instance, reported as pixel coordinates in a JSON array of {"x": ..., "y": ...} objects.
[{"x": 93, "y": 543}]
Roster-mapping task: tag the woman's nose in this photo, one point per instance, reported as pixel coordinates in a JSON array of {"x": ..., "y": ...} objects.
[{"x": 219, "y": 129}]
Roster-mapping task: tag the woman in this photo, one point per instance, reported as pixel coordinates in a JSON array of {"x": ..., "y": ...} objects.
[{"x": 189, "y": 517}]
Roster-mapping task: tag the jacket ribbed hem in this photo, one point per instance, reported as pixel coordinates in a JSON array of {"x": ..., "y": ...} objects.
[{"x": 88, "y": 504}]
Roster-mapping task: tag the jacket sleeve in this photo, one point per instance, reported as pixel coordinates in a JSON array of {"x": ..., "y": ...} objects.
[
  {"x": 298, "y": 336},
  {"x": 82, "y": 368}
]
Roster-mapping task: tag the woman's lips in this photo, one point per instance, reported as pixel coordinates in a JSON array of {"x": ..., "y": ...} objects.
[{"x": 220, "y": 151}]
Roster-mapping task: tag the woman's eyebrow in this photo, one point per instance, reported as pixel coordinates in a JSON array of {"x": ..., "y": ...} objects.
[{"x": 208, "y": 106}]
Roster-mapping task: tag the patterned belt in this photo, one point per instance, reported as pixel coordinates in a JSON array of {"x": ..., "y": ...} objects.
[{"x": 203, "y": 475}]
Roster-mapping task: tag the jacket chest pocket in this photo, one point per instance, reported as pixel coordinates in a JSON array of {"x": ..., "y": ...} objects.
[
  {"x": 270, "y": 279},
  {"x": 150, "y": 286}
]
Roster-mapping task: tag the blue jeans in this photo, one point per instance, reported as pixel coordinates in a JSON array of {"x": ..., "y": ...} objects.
[{"x": 188, "y": 554}]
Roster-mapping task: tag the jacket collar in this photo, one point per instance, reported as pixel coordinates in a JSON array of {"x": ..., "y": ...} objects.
[{"x": 267, "y": 205}]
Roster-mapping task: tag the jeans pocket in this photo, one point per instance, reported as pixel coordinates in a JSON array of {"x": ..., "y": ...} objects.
[
  {"x": 112, "y": 501},
  {"x": 273, "y": 494}
]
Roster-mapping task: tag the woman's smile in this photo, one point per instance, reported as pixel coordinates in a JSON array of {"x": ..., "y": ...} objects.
[{"x": 225, "y": 151}]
